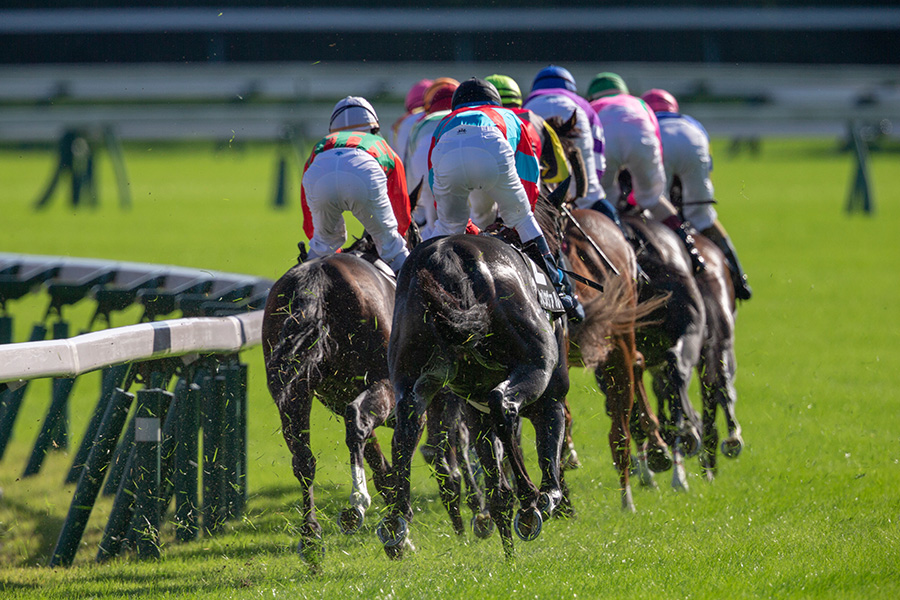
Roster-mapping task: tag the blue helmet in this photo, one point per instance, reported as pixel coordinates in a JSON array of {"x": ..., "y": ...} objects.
[{"x": 554, "y": 77}]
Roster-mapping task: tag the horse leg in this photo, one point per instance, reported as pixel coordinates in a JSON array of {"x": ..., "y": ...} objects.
[
  {"x": 441, "y": 421},
  {"x": 653, "y": 453},
  {"x": 549, "y": 426},
  {"x": 717, "y": 386},
  {"x": 671, "y": 386},
  {"x": 295, "y": 429},
  {"x": 570, "y": 456},
  {"x": 481, "y": 519},
  {"x": 393, "y": 531},
  {"x": 504, "y": 402},
  {"x": 367, "y": 411},
  {"x": 500, "y": 497},
  {"x": 617, "y": 380}
]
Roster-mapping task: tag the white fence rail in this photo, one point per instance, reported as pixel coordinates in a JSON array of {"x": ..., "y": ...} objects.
[{"x": 147, "y": 341}]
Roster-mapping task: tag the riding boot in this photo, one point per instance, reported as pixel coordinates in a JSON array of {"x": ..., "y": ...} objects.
[
  {"x": 717, "y": 234},
  {"x": 680, "y": 229},
  {"x": 573, "y": 308}
]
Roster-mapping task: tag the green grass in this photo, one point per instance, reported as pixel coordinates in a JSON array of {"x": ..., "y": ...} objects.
[{"x": 810, "y": 509}]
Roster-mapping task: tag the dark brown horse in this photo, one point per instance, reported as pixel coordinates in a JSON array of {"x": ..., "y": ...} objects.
[
  {"x": 326, "y": 327},
  {"x": 718, "y": 363}
]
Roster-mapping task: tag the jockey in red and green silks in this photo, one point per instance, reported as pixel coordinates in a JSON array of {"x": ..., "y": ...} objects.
[{"x": 353, "y": 168}]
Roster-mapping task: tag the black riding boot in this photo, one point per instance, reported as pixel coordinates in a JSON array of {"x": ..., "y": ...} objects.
[
  {"x": 719, "y": 237},
  {"x": 680, "y": 229},
  {"x": 573, "y": 308}
]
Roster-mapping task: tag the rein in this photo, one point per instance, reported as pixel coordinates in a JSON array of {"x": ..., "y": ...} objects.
[{"x": 606, "y": 261}]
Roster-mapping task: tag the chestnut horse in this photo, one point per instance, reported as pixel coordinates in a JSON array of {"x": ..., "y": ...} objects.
[{"x": 597, "y": 251}]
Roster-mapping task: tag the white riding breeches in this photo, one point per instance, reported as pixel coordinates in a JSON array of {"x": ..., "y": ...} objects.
[
  {"x": 474, "y": 169},
  {"x": 349, "y": 179}
]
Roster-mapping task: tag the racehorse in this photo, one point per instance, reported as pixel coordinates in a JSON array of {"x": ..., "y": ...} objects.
[
  {"x": 325, "y": 330},
  {"x": 718, "y": 364},
  {"x": 467, "y": 317},
  {"x": 672, "y": 340},
  {"x": 597, "y": 251}
]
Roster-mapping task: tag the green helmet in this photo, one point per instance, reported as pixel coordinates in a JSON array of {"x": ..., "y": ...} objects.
[
  {"x": 606, "y": 84},
  {"x": 510, "y": 94}
]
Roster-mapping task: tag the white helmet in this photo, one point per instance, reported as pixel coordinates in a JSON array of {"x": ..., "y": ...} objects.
[{"x": 353, "y": 114}]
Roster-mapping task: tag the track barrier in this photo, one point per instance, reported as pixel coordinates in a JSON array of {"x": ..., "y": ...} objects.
[{"x": 144, "y": 445}]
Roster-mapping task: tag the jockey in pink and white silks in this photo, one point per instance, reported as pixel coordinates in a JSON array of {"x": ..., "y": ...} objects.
[
  {"x": 438, "y": 98},
  {"x": 415, "y": 111},
  {"x": 657, "y": 206},
  {"x": 686, "y": 155},
  {"x": 632, "y": 142},
  {"x": 553, "y": 94},
  {"x": 483, "y": 147},
  {"x": 353, "y": 168}
]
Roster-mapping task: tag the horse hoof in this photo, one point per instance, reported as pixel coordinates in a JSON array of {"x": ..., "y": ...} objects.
[
  {"x": 659, "y": 460},
  {"x": 547, "y": 504},
  {"x": 528, "y": 524},
  {"x": 351, "y": 519},
  {"x": 732, "y": 447},
  {"x": 482, "y": 526},
  {"x": 311, "y": 550},
  {"x": 392, "y": 534},
  {"x": 691, "y": 442}
]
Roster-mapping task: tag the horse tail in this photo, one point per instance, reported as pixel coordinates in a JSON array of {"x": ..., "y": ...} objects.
[
  {"x": 456, "y": 315},
  {"x": 613, "y": 313},
  {"x": 304, "y": 344}
]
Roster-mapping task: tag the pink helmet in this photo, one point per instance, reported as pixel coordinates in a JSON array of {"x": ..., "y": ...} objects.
[
  {"x": 415, "y": 98},
  {"x": 660, "y": 101}
]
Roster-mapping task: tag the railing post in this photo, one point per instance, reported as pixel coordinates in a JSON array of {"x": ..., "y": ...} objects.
[
  {"x": 91, "y": 478},
  {"x": 214, "y": 480},
  {"x": 184, "y": 478},
  {"x": 146, "y": 469},
  {"x": 112, "y": 378}
]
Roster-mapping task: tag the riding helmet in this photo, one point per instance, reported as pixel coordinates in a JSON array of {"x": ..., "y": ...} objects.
[
  {"x": 475, "y": 90},
  {"x": 510, "y": 94},
  {"x": 439, "y": 94},
  {"x": 606, "y": 84},
  {"x": 353, "y": 114},
  {"x": 552, "y": 77},
  {"x": 415, "y": 98},
  {"x": 660, "y": 101}
]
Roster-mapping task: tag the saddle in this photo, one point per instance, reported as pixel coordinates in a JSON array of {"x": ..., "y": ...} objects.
[{"x": 546, "y": 294}]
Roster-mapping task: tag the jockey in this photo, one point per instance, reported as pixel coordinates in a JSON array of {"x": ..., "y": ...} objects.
[
  {"x": 353, "y": 168},
  {"x": 548, "y": 147},
  {"x": 553, "y": 94},
  {"x": 633, "y": 143},
  {"x": 686, "y": 154},
  {"x": 483, "y": 146},
  {"x": 414, "y": 104},
  {"x": 438, "y": 98}
]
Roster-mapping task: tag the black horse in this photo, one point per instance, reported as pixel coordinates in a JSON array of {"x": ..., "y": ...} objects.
[{"x": 467, "y": 317}]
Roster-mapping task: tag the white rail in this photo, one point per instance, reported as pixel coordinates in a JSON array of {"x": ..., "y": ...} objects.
[{"x": 146, "y": 341}]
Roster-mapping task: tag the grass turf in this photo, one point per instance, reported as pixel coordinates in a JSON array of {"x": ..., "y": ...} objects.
[{"x": 810, "y": 509}]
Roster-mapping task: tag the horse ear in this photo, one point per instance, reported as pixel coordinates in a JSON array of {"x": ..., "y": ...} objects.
[
  {"x": 572, "y": 120},
  {"x": 558, "y": 196},
  {"x": 414, "y": 195}
]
